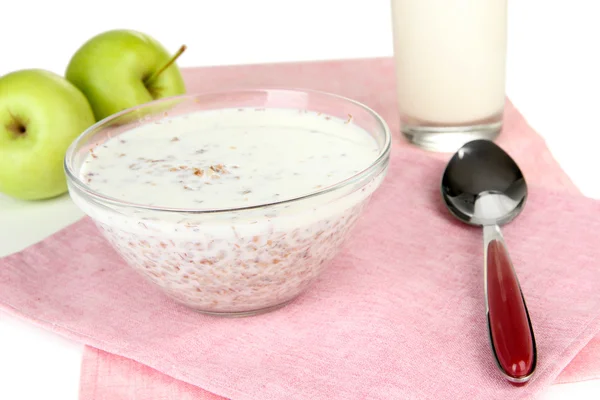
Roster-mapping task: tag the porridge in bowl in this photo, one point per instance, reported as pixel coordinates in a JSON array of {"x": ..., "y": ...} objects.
[{"x": 230, "y": 210}]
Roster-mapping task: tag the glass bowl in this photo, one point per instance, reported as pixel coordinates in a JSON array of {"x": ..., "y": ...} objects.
[{"x": 236, "y": 261}]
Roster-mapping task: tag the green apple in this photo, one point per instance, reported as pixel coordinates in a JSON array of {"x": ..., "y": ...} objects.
[
  {"x": 120, "y": 69},
  {"x": 40, "y": 115}
]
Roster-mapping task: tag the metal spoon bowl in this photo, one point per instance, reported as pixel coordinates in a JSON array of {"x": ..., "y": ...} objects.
[{"x": 482, "y": 185}]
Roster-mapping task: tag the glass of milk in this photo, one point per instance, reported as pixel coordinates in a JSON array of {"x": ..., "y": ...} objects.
[{"x": 450, "y": 60}]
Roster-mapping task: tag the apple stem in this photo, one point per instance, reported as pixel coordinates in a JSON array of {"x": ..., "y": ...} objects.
[{"x": 155, "y": 75}]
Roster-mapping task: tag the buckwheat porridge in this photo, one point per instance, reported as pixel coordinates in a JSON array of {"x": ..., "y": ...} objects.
[{"x": 255, "y": 256}]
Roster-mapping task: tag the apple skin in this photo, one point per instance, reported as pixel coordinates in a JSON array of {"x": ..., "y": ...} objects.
[
  {"x": 110, "y": 69},
  {"x": 41, "y": 113}
]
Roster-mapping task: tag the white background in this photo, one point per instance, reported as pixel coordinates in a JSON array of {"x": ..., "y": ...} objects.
[{"x": 553, "y": 78}]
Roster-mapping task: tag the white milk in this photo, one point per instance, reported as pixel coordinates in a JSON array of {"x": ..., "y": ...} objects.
[
  {"x": 229, "y": 158},
  {"x": 450, "y": 60}
]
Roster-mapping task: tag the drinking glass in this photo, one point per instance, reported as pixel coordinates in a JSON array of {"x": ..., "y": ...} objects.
[{"x": 450, "y": 60}]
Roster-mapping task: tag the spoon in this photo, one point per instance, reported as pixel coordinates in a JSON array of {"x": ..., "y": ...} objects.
[{"x": 482, "y": 185}]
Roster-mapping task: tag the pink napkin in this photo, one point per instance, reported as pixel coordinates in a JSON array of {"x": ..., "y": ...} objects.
[
  {"x": 397, "y": 315},
  {"x": 585, "y": 366},
  {"x": 106, "y": 376},
  {"x": 375, "y": 88},
  {"x": 113, "y": 377}
]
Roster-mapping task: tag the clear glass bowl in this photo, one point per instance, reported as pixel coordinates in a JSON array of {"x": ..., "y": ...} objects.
[{"x": 213, "y": 260}]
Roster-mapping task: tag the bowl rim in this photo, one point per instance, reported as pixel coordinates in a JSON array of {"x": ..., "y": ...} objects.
[{"x": 79, "y": 184}]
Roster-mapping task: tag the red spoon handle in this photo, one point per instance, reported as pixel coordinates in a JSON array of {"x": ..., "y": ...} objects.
[{"x": 509, "y": 325}]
